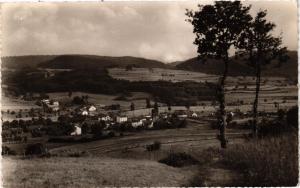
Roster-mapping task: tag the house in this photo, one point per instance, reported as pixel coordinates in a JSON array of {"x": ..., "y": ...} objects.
[
  {"x": 92, "y": 108},
  {"x": 137, "y": 123},
  {"x": 56, "y": 103},
  {"x": 53, "y": 105},
  {"x": 84, "y": 113},
  {"x": 103, "y": 117},
  {"x": 194, "y": 115},
  {"x": 182, "y": 116},
  {"x": 77, "y": 131},
  {"x": 121, "y": 119},
  {"x": 46, "y": 101}
]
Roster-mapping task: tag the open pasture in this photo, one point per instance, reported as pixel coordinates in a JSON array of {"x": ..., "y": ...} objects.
[{"x": 173, "y": 75}]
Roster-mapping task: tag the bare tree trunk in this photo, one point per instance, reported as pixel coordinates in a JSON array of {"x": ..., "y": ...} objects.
[
  {"x": 221, "y": 97},
  {"x": 255, "y": 104}
]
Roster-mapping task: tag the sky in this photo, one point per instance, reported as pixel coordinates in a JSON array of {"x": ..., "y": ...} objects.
[{"x": 154, "y": 30}]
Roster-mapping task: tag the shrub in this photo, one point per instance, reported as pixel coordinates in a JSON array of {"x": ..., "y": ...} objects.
[
  {"x": 111, "y": 134},
  {"x": 7, "y": 151},
  {"x": 35, "y": 149},
  {"x": 77, "y": 154},
  {"x": 153, "y": 147},
  {"x": 292, "y": 117},
  {"x": 179, "y": 160}
]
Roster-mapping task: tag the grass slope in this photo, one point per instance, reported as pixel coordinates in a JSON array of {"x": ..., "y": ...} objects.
[
  {"x": 88, "y": 172},
  {"x": 239, "y": 68}
]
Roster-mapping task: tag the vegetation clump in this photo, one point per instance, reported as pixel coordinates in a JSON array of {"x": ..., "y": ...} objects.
[
  {"x": 179, "y": 160},
  {"x": 153, "y": 147}
]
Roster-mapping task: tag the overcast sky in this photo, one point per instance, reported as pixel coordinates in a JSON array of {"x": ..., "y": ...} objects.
[{"x": 155, "y": 30}]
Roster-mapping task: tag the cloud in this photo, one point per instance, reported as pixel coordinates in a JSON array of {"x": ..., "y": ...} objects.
[{"x": 155, "y": 30}]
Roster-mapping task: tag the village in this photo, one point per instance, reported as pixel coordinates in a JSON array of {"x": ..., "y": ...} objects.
[{"x": 81, "y": 118}]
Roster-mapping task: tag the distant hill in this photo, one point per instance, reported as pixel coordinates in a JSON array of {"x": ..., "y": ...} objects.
[
  {"x": 17, "y": 62},
  {"x": 174, "y": 64},
  {"x": 79, "y": 62},
  {"x": 238, "y": 67}
]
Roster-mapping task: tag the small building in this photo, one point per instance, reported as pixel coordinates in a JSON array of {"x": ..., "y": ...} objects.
[
  {"x": 92, "y": 108},
  {"x": 182, "y": 116},
  {"x": 46, "y": 101},
  {"x": 53, "y": 105},
  {"x": 77, "y": 131},
  {"x": 84, "y": 113},
  {"x": 137, "y": 124},
  {"x": 121, "y": 119},
  {"x": 104, "y": 118},
  {"x": 194, "y": 115}
]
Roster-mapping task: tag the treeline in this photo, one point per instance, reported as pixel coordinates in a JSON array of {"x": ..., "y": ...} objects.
[{"x": 99, "y": 81}]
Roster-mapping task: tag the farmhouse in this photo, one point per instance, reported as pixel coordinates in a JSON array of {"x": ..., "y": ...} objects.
[
  {"x": 77, "y": 131},
  {"x": 182, "y": 116},
  {"x": 103, "y": 117},
  {"x": 53, "y": 105},
  {"x": 84, "y": 113},
  {"x": 137, "y": 123},
  {"x": 194, "y": 115},
  {"x": 121, "y": 119},
  {"x": 46, "y": 101},
  {"x": 92, "y": 108}
]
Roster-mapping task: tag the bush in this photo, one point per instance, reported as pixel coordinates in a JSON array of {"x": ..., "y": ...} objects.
[
  {"x": 35, "y": 149},
  {"x": 292, "y": 117},
  {"x": 7, "y": 151},
  {"x": 77, "y": 154},
  {"x": 179, "y": 160},
  {"x": 111, "y": 134},
  {"x": 153, "y": 147}
]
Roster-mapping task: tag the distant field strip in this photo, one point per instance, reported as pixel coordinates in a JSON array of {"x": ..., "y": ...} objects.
[{"x": 130, "y": 143}]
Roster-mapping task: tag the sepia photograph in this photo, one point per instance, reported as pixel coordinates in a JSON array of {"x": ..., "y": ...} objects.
[{"x": 149, "y": 94}]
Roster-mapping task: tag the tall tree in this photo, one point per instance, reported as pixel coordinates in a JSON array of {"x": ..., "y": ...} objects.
[
  {"x": 148, "y": 104},
  {"x": 155, "y": 108},
  {"x": 217, "y": 28},
  {"x": 132, "y": 106},
  {"x": 259, "y": 47}
]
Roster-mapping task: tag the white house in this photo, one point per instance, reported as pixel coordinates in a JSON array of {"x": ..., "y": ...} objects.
[
  {"x": 46, "y": 101},
  {"x": 54, "y": 105},
  {"x": 182, "y": 116},
  {"x": 137, "y": 124},
  {"x": 104, "y": 118},
  {"x": 194, "y": 115},
  {"x": 121, "y": 119},
  {"x": 92, "y": 108},
  {"x": 84, "y": 113},
  {"x": 76, "y": 132}
]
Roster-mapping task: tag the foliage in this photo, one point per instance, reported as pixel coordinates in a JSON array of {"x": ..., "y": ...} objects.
[
  {"x": 153, "y": 147},
  {"x": 179, "y": 160},
  {"x": 7, "y": 151},
  {"x": 99, "y": 81},
  {"x": 217, "y": 28},
  {"x": 292, "y": 117},
  {"x": 35, "y": 149}
]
